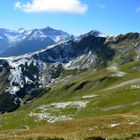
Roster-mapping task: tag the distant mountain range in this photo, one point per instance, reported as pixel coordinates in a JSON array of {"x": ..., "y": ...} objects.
[{"x": 21, "y": 41}]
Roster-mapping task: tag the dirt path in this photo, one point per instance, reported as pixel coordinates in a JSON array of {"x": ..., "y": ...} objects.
[{"x": 122, "y": 84}]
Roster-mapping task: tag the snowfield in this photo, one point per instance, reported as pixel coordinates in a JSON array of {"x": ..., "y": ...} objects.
[{"x": 17, "y": 78}]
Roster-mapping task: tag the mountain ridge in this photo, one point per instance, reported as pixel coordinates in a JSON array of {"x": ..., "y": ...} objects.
[
  {"x": 32, "y": 71},
  {"x": 89, "y": 83},
  {"x": 21, "y": 41}
]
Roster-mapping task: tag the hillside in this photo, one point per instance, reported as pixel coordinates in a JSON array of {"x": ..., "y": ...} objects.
[{"x": 77, "y": 89}]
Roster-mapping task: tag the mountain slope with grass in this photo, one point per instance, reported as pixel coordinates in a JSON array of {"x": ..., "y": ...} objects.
[{"x": 78, "y": 89}]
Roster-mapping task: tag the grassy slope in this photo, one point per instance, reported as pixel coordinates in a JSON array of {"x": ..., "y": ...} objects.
[{"x": 113, "y": 105}]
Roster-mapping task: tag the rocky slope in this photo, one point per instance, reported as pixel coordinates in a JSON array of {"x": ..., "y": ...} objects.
[{"x": 27, "y": 75}]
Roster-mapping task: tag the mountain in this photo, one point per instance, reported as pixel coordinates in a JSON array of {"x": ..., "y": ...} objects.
[
  {"x": 91, "y": 50},
  {"x": 21, "y": 41},
  {"x": 90, "y": 82}
]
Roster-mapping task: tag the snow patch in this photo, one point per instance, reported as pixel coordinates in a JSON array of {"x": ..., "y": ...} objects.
[
  {"x": 94, "y": 33},
  {"x": 132, "y": 123},
  {"x": 16, "y": 77},
  {"x": 37, "y": 35},
  {"x": 90, "y": 96},
  {"x": 113, "y": 125},
  {"x": 83, "y": 62}
]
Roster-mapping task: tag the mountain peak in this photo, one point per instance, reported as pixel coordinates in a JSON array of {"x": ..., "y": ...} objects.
[
  {"x": 96, "y": 33},
  {"x": 21, "y": 30},
  {"x": 21, "y": 41},
  {"x": 48, "y": 28}
]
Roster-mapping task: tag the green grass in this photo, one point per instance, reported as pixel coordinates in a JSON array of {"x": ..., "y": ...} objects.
[{"x": 110, "y": 105}]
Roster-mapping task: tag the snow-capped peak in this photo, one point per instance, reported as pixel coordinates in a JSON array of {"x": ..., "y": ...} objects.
[
  {"x": 22, "y": 41},
  {"x": 94, "y": 33},
  {"x": 37, "y": 34},
  {"x": 97, "y": 33},
  {"x": 21, "y": 30}
]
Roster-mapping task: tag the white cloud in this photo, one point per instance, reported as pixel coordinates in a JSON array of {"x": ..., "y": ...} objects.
[
  {"x": 138, "y": 9},
  {"x": 53, "y": 6},
  {"x": 17, "y": 5},
  {"x": 101, "y": 5}
]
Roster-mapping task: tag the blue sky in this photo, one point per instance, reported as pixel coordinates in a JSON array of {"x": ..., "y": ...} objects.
[{"x": 73, "y": 16}]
